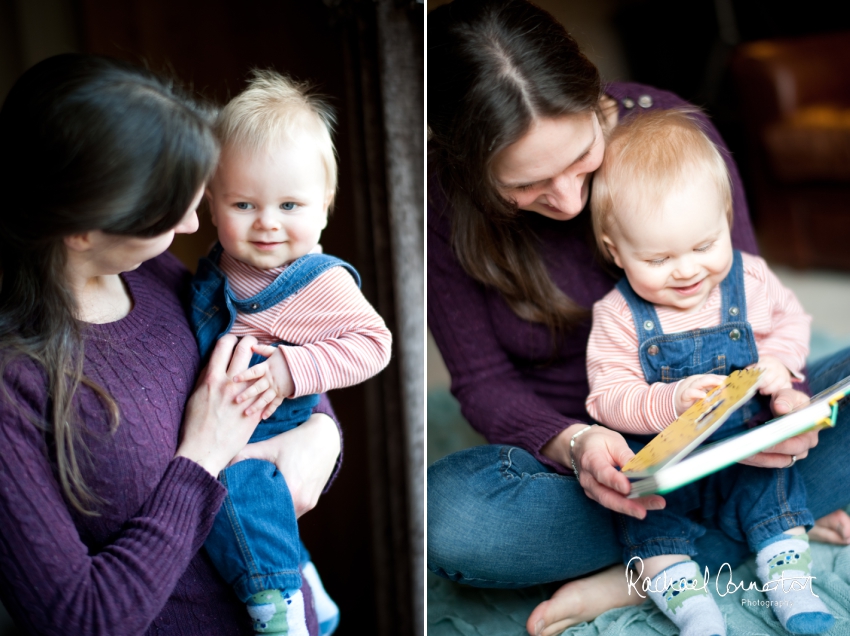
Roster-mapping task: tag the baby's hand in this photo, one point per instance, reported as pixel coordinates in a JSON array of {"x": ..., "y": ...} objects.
[
  {"x": 694, "y": 388},
  {"x": 774, "y": 377},
  {"x": 272, "y": 381}
]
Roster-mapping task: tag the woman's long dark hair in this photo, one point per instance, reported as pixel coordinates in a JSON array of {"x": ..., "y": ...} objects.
[
  {"x": 493, "y": 67},
  {"x": 86, "y": 143}
]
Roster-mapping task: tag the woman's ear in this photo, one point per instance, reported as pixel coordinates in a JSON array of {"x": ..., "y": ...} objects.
[
  {"x": 79, "y": 242},
  {"x": 612, "y": 250}
]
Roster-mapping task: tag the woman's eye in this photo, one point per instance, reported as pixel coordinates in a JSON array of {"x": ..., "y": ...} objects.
[
  {"x": 289, "y": 205},
  {"x": 242, "y": 205},
  {"x": 524, "y": 188}
]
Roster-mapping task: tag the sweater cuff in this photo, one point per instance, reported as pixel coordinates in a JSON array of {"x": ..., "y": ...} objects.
[
  {"x": 187, "y": 499},
  {"x": 324, "y": 406},
  {"x": 304, "y": 370}
]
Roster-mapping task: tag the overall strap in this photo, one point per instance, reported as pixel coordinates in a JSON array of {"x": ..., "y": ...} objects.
[
  {"x": 732, "y": 292},
  {"x": 646, "y": 320},
  {"x": 291, "y": 280}
]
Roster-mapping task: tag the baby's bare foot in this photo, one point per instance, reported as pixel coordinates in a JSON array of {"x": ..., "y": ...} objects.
[{"x": 582, "y": 600}]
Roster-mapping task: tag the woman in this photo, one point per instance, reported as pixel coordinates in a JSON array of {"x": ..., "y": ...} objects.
[
  {"x": 517, "y": 118},
  {"x": 105, "y": 502}
]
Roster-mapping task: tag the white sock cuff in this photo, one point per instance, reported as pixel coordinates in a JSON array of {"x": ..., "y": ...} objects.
[{"x": 771, "y": 551}]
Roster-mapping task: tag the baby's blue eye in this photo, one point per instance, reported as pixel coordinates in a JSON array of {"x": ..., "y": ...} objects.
[
  {"x": 289, "y": 205},
  {"x": 243, "y": 206}
]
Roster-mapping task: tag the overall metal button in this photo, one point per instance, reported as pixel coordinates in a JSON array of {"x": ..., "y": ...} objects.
[
  {"x": 254, "y": 306},
  {"x": 653, "y": 350},
  {"x": 733, "y": 311},
  {"x": 649, "y": 325},
  {"x": 735, "y": 334},
  {"x": 645, "y": 101},
  {"x": 629, "y": 102}
]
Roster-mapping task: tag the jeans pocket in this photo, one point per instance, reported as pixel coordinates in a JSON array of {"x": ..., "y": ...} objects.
[{"x": 716, "y": 365}]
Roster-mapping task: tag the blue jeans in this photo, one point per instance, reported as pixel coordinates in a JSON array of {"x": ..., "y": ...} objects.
[
  {"x": 499, "y": 518},
  {"x": 746, "y": 503}
]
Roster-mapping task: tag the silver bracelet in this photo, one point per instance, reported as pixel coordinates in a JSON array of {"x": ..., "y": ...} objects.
[{"x": 573, "y": 445}]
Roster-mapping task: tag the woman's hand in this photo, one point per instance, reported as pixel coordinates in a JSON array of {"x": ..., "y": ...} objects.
[
  {"x": 271, "y": 382},
  {"x": 597, "y": 454},
  {"x": 215, "y": 427},
  {"x": 781, "y": 455},
  {"x": 306, "y": 456}
]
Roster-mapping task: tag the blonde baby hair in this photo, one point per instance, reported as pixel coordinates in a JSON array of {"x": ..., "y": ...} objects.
[
  {"x": 647, "y": 157},
  {"x": 275, "y": 107}
]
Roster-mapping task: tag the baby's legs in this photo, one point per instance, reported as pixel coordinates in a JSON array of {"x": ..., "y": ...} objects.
[
  {"x": 676, "y": 586},
  {"x": 769, "y": 506},
  {"x": 254, "y": 544},
  {"x": 659, "y": 549},
  {"x": 783, "y": 564}
]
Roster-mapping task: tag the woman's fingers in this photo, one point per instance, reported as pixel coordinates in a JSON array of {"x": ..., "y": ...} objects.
[
  {"x": 799, "y": 445},
  {"x": 241, "y": 356},
  {"x": 264, "y": 350},
  {"x": 616, "y": 502},
  {"x": 221, "y": 355},
  {"x": 780, "y": 456},
  {"x": 602, "y": 480},
  {"x": 786, "y": 400}
]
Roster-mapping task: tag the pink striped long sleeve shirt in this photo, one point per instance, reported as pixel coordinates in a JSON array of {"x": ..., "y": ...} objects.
[
  {"x": 621, "y": 398},
  {"x": 338, "y": 338}
]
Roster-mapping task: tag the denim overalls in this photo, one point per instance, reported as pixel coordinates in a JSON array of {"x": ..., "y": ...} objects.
[
  {"x": 254, "y": 542},
  {"x": 747, "y": 503}
]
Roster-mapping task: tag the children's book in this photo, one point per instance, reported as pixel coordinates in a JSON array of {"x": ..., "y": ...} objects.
[{"x": 668, "y": 463}]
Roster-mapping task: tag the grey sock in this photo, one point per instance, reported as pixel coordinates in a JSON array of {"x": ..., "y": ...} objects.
[
  {"x": 680, "y": 592},
  {"x": 786, "y": 560}
]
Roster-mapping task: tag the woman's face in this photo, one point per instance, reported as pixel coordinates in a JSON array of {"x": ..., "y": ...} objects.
[
  {"x": 110, "y": 254},
  {"x": 547, "y": 171}
]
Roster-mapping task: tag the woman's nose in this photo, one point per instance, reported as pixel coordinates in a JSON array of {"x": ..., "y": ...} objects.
[
  {"x": 188, "y": 224},
  {"x": 565, "y": 193}
]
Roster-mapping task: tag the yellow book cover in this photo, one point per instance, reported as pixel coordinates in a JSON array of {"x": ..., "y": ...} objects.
[{"x": 694, "y": 425}]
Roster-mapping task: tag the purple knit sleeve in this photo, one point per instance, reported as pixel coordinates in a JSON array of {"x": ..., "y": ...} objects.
[
  {"x": 493, "y": 396},
  {"x": 324, "y": 406},
  {"x": 50, "y": 581}
]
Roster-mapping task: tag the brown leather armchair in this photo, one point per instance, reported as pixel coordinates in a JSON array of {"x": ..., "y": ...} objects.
[{"x": 795, "y": 96}]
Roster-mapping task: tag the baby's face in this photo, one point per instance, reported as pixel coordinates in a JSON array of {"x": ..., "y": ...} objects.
[
  {"x": 675, "y": 255},
  {"x": 270, "y": 206}
]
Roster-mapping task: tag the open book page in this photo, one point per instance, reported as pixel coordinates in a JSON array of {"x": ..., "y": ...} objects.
[{"x": 820, "y": 412}]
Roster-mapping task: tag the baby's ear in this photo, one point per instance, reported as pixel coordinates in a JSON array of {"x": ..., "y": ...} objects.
[
  {"x": 329, "y": 200},
  {"x": 612, "y": 250}
]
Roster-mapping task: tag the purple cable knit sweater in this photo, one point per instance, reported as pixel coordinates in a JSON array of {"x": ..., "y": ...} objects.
[
  {"x": 136, "y": 568},
  {"x": 510, "y": 386}
]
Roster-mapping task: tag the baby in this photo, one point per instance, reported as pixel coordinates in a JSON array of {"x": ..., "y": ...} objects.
[
  {"x": 267, "y": 277},
  {"x": 689, "y": 311}
]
